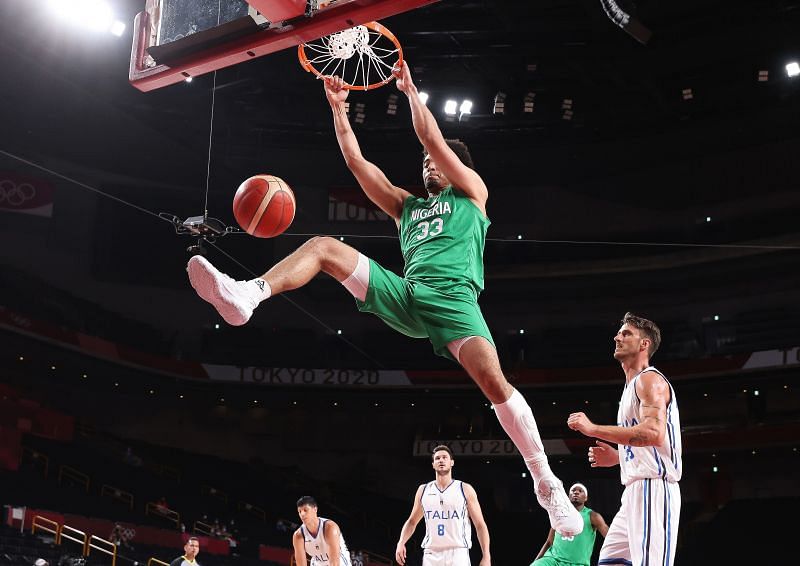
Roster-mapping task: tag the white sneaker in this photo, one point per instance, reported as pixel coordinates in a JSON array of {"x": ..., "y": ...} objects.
[
  {"x": 564, "y": 518},
  {"x": 228, "y": 296}
]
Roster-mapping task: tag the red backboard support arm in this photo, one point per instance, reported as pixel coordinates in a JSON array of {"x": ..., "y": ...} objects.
[{"x": 336, "y": 17}]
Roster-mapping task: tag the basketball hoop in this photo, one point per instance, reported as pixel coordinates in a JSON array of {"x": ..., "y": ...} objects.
[{"x": 374, "y": 47}]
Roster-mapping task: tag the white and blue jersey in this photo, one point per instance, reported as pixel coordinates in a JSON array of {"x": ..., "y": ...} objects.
[
  {"x": 447, "y": 524},
  {"x": 649, "y": 462},
  {"x": 317, "y": 547},
  {"x": 644, "y": 531}
]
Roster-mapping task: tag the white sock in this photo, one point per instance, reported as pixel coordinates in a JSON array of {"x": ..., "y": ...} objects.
[
  {"x": 260, "y": 289},
  {"x": 517, "y": 420}
]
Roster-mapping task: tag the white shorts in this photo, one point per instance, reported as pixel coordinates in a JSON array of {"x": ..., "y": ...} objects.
[
  {"x": 449, "y": 557},
  {"x": 645, "y": 529}
]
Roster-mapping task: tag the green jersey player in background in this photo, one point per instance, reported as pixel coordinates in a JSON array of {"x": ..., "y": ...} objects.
[
  {"x": 560, "y": 550},
  {"x": 442, "y": 239}
]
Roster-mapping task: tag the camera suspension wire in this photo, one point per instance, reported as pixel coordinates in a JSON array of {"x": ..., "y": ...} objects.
[
  {"x": 517, "y": 240},
  {"x": 210, "y": 139},
  {"x": 305, "y": 311},
  {"x": 211, "y": 125},
  {"x": 165, "y": 218},
  {"x": 81, "y": 184}
]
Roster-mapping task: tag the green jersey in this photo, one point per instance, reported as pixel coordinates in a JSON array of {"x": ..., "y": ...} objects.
[
  {"x": 442, "y": 239},
  {"x": 577, "y": 549}
]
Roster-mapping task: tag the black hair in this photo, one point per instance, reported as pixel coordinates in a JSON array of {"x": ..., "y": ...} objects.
[
  {"x": 442, "y": 447},
  {"x": 306, "y": 500},
  {"x": 460, "y": 149}
]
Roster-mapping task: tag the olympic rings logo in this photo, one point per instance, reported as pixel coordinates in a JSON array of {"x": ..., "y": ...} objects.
[{"x": 15, "y": 194}]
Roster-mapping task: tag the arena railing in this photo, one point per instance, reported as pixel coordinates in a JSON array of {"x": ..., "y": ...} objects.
[{"x": 110, "y": 548}]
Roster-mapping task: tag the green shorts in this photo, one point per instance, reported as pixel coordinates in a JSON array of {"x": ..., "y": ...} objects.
[
  {"x": 547, "y": 560},
  {"x": 421, "y": 311}
]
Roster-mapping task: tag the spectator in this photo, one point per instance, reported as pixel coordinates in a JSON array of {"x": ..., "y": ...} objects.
[
  {"x": 116, "y": 535},
  {"x": 131, "y": 459}
]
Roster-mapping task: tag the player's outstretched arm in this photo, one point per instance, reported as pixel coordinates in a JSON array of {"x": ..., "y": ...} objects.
[
  {"x": 429, "y": 134},
  {"x": 298, "y": 544},
  {"x": 481, "y": 530},
  {"x": 547, "y": 544},
  {"x": 378, "y": 188},
  {"x": 409, "y": 526},
  {"x": 598, "y": 523},
  {"x": 654, "y": 394},
  {"x": 331, "y": 535}
]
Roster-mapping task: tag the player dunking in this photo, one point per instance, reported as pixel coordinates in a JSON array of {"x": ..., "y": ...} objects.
[
  {"x": 448, "y": 506},
  {"x": 442, "y": 238},
  {"x": 648, "y": 436}
]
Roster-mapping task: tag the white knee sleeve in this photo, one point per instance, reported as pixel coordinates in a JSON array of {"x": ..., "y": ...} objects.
[
  {"x": 454, "y": 347},
  {"x": 358, "y": 281}
]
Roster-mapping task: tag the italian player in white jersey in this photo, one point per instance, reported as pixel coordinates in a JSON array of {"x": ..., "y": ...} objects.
[
  {"x": 318, "y": 538},
  {"x": 448, "y": 506},
  {"x": 648, "y": 437}
]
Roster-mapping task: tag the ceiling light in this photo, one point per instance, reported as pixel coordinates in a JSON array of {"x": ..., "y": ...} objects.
[
  {"x": 466, "y": 107},
  {"x": 499, "y": 103},
  {"x": 793, "y": 69},
  {"x": 98, "y": 15},
  {"x": 117, "y": 28},
  {"x": 528, "y": 103},
  {"x": 391, "y": 104},
  {"x": 423, "y": 96},
  {"x": 450, "y": 107}
]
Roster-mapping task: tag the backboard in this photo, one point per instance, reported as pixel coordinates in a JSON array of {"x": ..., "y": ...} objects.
[{"x": 177, "y": 39}]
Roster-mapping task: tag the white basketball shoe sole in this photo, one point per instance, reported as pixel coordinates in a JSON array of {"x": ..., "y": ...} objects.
[
  {"x": 225, "y": 294},
  {"x": 564, "y": 518}
]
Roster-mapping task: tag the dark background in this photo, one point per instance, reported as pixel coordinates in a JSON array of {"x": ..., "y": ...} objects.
[{"x": 611, "y": 206}]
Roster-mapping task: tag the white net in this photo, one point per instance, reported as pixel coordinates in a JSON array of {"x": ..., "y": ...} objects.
[{"x": 362, "y": 56}]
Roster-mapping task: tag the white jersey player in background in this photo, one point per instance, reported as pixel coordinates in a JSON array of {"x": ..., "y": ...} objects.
[
  {"x": 318, "y": 537},
  {"x": 448, "y": 506},
  {"x": 648, "y": 438}
]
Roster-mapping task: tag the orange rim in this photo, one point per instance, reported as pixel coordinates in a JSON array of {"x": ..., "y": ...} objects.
[{"x": 326, "y": 61}]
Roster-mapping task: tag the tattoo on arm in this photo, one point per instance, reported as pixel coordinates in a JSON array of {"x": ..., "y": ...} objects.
[{"x": 638, "y": 439}]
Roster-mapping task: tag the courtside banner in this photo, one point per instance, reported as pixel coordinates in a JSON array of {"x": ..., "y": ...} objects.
[
  {"x": 350, "y": 204},
  {"x": 300, "y": 376},
  {"x": 489, "y": 447},
  {"x": 26, "y": 194},
  {"x": 124, "y": 355}
]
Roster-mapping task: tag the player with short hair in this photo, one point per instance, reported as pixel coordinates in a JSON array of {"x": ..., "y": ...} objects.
[
  {"x": 648, "y": 438},
  {"x": 448, "y": 506},
  {"x": 190, "y": 551},
  {"x": 560, "y": 550},
  {"x": 317, "y": 537},
  {"x": 442, "y": 239}
]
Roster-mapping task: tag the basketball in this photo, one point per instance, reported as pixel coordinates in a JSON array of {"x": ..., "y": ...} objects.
[{"x": 264, "y": 206}]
